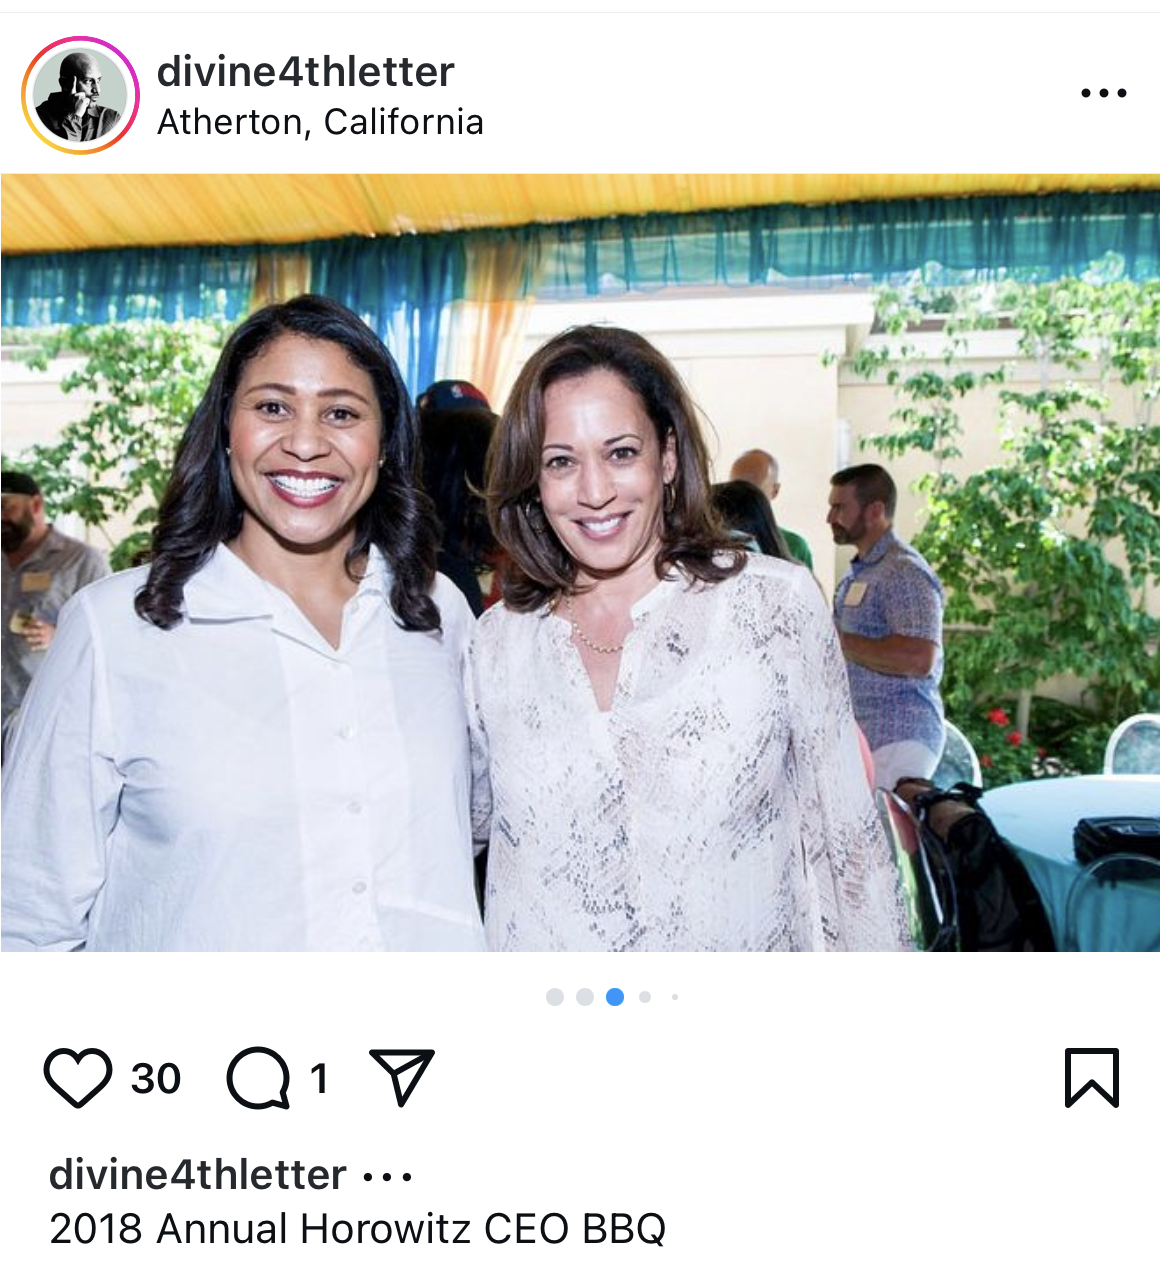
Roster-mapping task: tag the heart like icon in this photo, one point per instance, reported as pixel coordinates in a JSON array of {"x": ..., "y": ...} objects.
[{"x": 89, "y": 1069}]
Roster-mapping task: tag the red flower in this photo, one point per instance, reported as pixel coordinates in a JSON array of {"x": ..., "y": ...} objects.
[
  {"x": 1041, "y": 752},
  {"x": 986, "y": 760},
  {"x": 1014, "y": 737},
  {"x": 999, "y": 718}
]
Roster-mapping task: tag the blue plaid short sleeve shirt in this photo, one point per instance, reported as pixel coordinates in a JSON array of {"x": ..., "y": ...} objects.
[{"x": 893, "y": 591}]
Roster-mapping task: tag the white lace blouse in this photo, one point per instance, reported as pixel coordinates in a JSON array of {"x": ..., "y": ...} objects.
[{"x": 720, "y": 804}]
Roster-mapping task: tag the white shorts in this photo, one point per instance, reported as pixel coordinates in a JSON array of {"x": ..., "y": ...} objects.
[{"x": 901, "y": 759}]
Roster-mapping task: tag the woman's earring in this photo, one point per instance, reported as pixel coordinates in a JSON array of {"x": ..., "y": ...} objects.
[
  {"x": 229, "y": 451},
  {"x": 382, "y": 460}
]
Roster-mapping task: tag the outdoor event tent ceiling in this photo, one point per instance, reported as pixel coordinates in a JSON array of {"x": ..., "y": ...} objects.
[{"x": 72, "y": 213}]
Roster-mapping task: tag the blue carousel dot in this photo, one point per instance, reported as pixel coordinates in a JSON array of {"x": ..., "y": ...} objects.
[{"x": 614, "y": 996}]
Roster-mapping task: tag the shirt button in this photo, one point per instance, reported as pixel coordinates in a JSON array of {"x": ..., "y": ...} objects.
[
  {"x": 359, "y": 887},
  {"x": 355, "y": 808},
  {"x": 347, "y": 733}
]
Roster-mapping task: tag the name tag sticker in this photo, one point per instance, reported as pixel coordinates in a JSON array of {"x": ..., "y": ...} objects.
[
  {"x": 33, "y": 583},
  {"x": 855, "y": 595}
]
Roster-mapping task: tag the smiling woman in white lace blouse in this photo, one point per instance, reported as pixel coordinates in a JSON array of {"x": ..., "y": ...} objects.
[{"x": 664, "y": 721}]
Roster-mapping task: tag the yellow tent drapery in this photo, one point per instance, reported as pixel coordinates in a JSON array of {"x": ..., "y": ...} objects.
[{"x": 77, "y": 212}]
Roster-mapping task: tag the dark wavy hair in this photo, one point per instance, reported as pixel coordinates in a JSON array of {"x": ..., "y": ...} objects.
[
  {"x": 746, "y": 510},
  {"x": 454, "y": 458},
  {"x": 201, "y": 508},
  {"x": 538, "y": 569}
]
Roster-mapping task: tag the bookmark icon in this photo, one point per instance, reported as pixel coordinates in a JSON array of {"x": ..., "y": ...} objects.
[
  {"x": 1088, "y": 1069},
  {"x": 405, "y": 1067}
]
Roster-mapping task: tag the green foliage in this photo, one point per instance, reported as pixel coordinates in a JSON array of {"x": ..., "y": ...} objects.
[
  {"x": 1063, "y": 740},
  {"x": 1005, "y": 753},
  {"x": 1046, "y": 556},
  {"x": 144, "y": 380}
]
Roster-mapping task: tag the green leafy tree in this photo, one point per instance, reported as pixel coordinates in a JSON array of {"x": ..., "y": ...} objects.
[
  {"x": 144, "y": 380},
  {"x": 1046, "y": 556}
]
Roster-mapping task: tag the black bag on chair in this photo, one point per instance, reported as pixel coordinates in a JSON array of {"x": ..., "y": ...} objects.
[
  {"x": 999, "y": 909},
  {"x": 1117, "y": 835}
]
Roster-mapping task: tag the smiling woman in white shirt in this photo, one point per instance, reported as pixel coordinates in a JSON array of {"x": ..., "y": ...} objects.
[
  {"x": 259, "y": 742},
  {"x": 665, "y": 719}
]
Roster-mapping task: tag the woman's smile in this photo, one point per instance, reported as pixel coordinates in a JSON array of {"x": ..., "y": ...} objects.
[
  {"x": 603, "y": 472},
  {"x": 305, "y": 439},
  {"x": 304, "y": 489}
]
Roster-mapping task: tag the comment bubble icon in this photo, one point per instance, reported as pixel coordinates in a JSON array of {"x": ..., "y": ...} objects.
[{"x": 258, "y": 1078}]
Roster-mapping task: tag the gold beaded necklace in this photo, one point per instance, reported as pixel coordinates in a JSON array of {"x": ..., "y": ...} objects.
[{"x": 584, "y": 639}]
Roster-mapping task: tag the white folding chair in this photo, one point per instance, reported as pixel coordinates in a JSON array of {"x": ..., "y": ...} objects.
[
  {"x": 927, "y": 882},
  {"x": 1114, "y": 906},
  {"x": 958, "y": 762},
  {"x": 1134, "y": 747}
]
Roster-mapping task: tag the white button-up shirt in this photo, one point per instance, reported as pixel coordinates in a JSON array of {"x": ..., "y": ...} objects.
[{"x": 236, "y": 783}]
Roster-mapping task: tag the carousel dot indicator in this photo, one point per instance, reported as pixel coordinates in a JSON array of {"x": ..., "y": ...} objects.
[
  {"x": 645, "y": 997},
  {"x": 614, "y": 996},
  {"x": 585, "y": 996},
  {"x": 555, "y": 996}
]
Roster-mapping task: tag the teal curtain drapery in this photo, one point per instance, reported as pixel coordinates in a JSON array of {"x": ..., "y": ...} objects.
[
  {"x": 403, "y": 285},
  {"x": 946, "y": 241},
  {"x": 82, "y": 288},
  {"x": 400, "y": 286}
]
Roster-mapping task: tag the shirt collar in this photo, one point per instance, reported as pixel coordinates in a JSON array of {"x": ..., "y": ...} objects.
[
  {"x": 658, "y": 596},
  {"x": 655, "y": 598},
  {"x": 48, "y": 546},
  {"x": 54, "y": 543},
  {"x": 225, "y": 588},
  {"x": 877, "y": 551}
]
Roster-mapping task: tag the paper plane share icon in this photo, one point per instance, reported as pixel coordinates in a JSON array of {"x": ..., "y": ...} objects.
[{"x": 405, "y": 1067}]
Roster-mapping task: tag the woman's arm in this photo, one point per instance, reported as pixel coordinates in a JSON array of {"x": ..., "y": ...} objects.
[
  {"x": 60, "y": 794},
  {"x": 852, "y": 867},
  {"x": 481, "y": 805}
]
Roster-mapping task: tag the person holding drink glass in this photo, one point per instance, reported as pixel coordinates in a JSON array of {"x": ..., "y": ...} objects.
[{"x": 42, "y": 569}]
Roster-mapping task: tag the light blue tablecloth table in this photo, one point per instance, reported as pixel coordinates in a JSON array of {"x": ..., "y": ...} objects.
[{"x": 1039, "y": 817}]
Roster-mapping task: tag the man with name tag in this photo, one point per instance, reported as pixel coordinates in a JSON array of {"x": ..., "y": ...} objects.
[
  {"x": 42, "y": 568},
  {"x": 888, "y": 609}
]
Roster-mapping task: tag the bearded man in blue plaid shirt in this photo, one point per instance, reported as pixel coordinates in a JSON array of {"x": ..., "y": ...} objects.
[{"x": 888, "y": 609}]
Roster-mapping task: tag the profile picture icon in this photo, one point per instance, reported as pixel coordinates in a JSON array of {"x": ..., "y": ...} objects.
[{"x": 80, "y": 95}]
